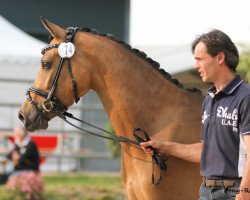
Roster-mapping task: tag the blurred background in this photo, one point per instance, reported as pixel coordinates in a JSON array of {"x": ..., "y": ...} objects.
[
  {"x": 163, "y": 29},
  {"x": 23, "y": 37}
]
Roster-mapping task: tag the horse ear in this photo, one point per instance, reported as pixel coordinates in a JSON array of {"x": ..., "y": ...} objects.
[{"x": 54, "y": 29}]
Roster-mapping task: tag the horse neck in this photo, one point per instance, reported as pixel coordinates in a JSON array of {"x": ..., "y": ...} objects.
[{"x": 133, "y": 93}]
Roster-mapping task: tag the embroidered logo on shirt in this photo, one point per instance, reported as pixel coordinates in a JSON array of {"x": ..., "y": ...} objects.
[
  {"x": 204, "y": 117},
  {"x": 228, "y": 118}
]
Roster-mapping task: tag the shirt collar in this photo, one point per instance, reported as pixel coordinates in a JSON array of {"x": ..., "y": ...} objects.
[
  {"x": 25, "y": 142},
  {"x": 229, "y": 88}
]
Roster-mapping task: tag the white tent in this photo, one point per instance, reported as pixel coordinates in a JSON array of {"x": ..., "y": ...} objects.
[
  {"x": 20, "y": 56},
  {"x": 19, "y": 52},
  {"x": 19, "y": 61}
]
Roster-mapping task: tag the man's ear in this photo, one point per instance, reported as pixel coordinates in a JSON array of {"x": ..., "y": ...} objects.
[
  {"x": 54, "y": 29},
  {"x": 221, "y": 57}
]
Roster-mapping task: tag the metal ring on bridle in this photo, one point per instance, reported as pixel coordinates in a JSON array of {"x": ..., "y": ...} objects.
[{"x": 47, "y": 105}]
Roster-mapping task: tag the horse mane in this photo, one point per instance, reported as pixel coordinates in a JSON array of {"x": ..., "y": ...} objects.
[{"x": 142, "y": 55}]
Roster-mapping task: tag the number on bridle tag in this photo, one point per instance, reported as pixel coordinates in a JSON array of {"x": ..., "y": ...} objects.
[{"x": 66, "y": 50}]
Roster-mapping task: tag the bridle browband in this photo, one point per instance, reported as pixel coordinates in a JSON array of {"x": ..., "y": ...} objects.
[{"x": 52, "y": 104}]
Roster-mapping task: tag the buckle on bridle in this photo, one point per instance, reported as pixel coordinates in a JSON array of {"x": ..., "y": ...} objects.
[{"x": 48, "y": 105}]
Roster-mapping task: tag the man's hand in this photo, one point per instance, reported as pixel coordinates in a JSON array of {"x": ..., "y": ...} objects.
[
  {"x": 152, "y": 143},
  {"x": 188, "y": 152}
]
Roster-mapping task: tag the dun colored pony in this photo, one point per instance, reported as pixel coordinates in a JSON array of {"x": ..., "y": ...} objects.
[{"x": 134, "y": 93}]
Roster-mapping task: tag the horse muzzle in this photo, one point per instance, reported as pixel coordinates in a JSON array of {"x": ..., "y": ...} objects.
[{"x": 32, "y": 119}]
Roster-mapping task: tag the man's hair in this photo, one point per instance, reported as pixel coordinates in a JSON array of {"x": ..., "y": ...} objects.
[{"x": 216, "y": 41}]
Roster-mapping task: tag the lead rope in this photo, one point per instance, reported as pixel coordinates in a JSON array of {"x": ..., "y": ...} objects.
[{"x": 156, "y": 158}]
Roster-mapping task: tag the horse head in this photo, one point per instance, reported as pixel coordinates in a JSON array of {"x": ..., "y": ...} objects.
[{"x": 57, "y": 84}]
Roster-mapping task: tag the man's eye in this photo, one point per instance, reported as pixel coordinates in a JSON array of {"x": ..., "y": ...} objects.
[{"x": 46, "y": 64}]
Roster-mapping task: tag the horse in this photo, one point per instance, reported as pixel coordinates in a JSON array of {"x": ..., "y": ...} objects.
[{"x": 134, "y": 91}]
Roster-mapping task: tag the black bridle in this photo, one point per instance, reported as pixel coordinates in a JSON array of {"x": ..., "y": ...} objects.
[
  {"x": 52, "y": 104},
  {"x": 51, "y": 101}
]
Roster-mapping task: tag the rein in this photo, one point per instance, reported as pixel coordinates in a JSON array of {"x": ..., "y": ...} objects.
[
  {"x": 53, "y": 105},
  {"x": 156, "y": 158}
]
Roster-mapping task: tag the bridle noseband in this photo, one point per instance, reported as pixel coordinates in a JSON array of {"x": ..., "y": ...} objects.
[{"x": 51, "y": 101}]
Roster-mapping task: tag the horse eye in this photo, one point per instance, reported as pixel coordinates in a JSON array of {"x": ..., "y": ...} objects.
[{"x": 46, "y": 64}]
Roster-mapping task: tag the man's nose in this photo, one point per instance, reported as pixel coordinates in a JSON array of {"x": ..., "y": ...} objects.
[{"x": 196, "y": 64}]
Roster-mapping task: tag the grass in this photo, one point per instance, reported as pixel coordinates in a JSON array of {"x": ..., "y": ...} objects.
[{"x": 75, "y": 186}]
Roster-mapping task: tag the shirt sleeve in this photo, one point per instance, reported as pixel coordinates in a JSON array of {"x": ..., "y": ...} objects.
[{"x": 245, "y": 116}]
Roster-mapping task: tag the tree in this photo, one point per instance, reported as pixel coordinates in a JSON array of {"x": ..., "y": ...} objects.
[{"x": 244, "y": 65}]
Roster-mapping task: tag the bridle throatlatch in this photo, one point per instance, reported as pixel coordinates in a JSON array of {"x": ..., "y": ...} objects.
[{"x": 52, "y": 104}]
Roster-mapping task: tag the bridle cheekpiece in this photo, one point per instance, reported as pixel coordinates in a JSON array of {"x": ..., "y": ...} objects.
[{"x": 65, "y": 50}]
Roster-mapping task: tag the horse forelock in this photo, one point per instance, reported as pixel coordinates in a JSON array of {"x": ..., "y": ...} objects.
[{"x": 142, "y": 55}]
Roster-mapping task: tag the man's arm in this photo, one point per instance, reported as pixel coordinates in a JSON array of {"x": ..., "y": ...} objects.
[
  {"x": 188, "y": 152},
  {"x": 245, "y": 183}
]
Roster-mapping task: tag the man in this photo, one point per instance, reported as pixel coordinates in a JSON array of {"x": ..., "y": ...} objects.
[
  {"x": 225, "y": 137},
  {"x": 24, "y": 155}
]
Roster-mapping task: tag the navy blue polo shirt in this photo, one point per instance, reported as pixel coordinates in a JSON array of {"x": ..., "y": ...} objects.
[{"x": 225, "y": 120}]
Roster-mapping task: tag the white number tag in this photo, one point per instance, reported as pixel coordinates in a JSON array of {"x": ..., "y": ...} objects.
[{"x": 66, "y": 50}]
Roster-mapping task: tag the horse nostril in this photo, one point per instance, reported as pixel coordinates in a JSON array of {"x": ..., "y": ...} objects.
[{"x": 20, "y": 116}]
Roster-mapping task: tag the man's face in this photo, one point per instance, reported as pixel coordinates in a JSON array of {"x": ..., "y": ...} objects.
[{"x": 205, "y": 64}]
